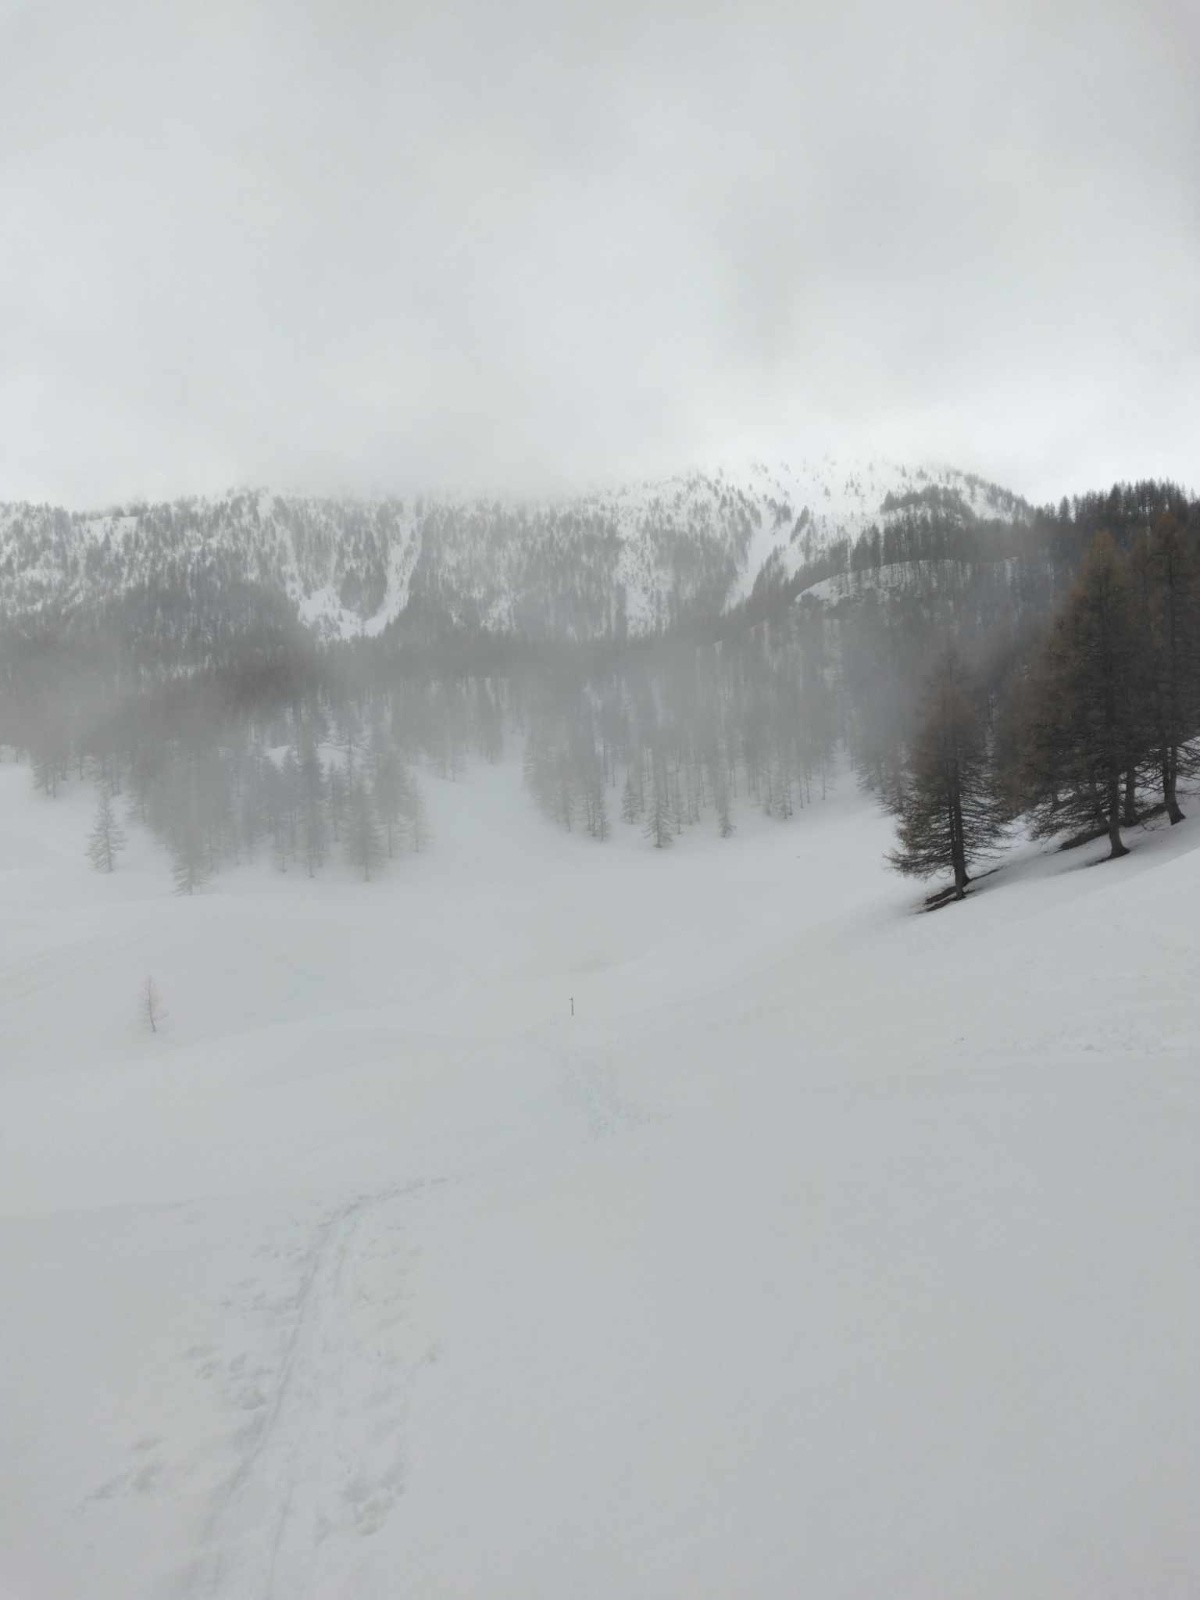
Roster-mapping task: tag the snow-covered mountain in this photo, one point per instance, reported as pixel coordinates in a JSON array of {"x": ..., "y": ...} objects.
[{"x": 634, "y": 559}]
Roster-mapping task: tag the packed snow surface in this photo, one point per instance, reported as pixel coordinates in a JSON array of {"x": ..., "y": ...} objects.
[{"x": 827, "y": 1250}]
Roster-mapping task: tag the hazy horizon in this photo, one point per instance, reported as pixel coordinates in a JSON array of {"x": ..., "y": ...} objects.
[
  {"x": 551, "y": 495},
  {"x": 561, "y": 492}
]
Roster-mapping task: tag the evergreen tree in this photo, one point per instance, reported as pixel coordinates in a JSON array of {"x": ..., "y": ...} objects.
[
  {"x": 414, "y": 815},
  {"x": 337, "y": 796},
  {"x": 595, "y": 808},
  {"x": 719, "y": 780},
  {"x": 1089, "y": 727},
  {"x": 364, "y": 843},
  {"x": 278, "y": 813},
  {"x": 107, "y": 837},
  {"x": 314, "y": 829},
  {"x": 289, "y": 797},
  {"x": 1166, "y": 586},
  {"x": 48, "y": 770},
  {"x": 181, "y": 821},
  {"x": 948, "y": 812},
  {"x": 659, "y": 826},
  {"x": 189, "y": 858},
  {"x": 633, "y": 795}
]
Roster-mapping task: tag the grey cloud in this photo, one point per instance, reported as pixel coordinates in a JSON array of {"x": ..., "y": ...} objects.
[{"x": 383, "y": 246}]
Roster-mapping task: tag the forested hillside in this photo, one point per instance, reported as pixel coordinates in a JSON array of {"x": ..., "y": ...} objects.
[
  {"x": 633, "y": 561},
  {"x": 268, "y": 675}
]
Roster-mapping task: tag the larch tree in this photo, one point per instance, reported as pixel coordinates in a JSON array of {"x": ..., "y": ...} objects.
[
  {"x": 364, "y": 841},
  {"x": 314, "y": 828},
  {"x": 1090, "y": 724},
  {"x": 337, "y": 800},
  {"x": 190, "y": 862},
  {"x": 414, "y": 816},
  {"x": 632, "y": 800},
  {"x": 1168, "y": 595},
  {"x": 190, "y": 847},
  {"x": 658, "y": 825},
  {"x": 948, "y": 812},
  {"x": 107, "y": 837},
  {"x": 719, "y": 781}
]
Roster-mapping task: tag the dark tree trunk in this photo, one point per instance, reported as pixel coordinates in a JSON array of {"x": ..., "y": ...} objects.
[
  {"x": 958, "y": 854},
  {"x": 1118, "y": 848},
  {"x": 1170, "y": 755},
  {"x": 1168, "y": 786},
  {"x": 1129, "y": 808}
]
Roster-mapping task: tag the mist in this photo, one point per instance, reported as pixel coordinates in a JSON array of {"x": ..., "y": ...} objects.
[{"x": 259, "y": 677}]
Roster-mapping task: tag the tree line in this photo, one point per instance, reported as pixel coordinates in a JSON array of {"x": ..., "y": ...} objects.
[
  {"x": 303, "y": 753},
  {"x": 1093, "y": 730}
]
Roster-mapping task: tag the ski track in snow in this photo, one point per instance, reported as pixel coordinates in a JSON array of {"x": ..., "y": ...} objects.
[{"x": 304, "y": 1476}]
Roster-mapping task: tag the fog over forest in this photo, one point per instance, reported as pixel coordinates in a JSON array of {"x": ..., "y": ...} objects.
[{"x": 251, "y": 677}]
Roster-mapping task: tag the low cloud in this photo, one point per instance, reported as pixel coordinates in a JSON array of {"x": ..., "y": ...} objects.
[{"x": 373, "y": 247}]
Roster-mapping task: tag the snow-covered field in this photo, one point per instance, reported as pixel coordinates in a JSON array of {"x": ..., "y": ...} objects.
[{"x": 827, "y": 1251}]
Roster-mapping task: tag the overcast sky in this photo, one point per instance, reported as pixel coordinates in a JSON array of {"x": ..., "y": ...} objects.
[{"x": 518, "y": 244}]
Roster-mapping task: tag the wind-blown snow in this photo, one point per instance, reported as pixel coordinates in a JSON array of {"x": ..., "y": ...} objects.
[{"x": 828, "y": 1250}]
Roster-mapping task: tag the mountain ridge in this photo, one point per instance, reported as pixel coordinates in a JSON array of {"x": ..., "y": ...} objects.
[{"x": 631, "y": 560}]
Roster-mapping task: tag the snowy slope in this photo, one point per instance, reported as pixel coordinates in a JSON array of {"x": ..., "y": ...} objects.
[
  {"x": 641, "y": 556},
  {"x": 847, "y": 1253}
]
